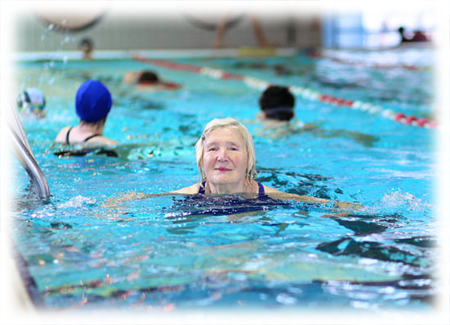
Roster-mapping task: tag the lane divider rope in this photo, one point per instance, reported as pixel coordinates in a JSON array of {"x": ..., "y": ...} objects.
[{"x": 306, "y": 93}]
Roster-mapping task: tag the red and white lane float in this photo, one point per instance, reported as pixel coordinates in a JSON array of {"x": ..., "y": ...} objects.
[{"x": 306, "y": 93}]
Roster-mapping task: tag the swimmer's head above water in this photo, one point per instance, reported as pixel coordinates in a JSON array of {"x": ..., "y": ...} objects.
[
  {"x": 277, "y": 103},
  {"x": 227, "y": 164},
  {"x": 147, "y": 77},
  {"x": 226, "y": 160},
  {"x": 93, "y": 102},
  {"x": 243, "y": 141},
  {"x": 32, "y": 101},
  {"x": 148, "y": 80},
  {"x": 141, "y": 77}
]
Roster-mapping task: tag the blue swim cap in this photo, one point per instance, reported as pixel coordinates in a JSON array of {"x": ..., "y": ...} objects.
[{"x": 93, "y": 101}]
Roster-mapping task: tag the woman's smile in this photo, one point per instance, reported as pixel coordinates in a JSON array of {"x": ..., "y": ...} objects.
[{"x": 222, "y": 169}]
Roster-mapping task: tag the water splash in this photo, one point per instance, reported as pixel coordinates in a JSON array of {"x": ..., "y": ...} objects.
[
  {"x": 76, "y": 202},
  {"x": 399, "y": 201},
  {"x": 64, "y": 208}
]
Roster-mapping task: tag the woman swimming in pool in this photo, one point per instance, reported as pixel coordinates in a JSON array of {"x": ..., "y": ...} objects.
[{"x": 226, "y": 161}]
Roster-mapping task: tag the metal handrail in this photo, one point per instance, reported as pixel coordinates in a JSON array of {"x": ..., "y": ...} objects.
[
  {"x": 22, "y": 149},
  {"x": 14, "y": 121}
]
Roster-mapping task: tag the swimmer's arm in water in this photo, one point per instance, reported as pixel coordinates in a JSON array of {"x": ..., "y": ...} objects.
[
  {"x": 193, "y": 189},
  {"x": 113, "y": 202},
  {"x": 134, "y": 196},
  {"x": 276, "y": 194},
  {"x": 309, "y": 199},
  {"x": 366, "y": 140}
]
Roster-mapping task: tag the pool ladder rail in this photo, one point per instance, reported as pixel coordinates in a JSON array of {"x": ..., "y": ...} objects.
[{"x": 22, "y": 150}]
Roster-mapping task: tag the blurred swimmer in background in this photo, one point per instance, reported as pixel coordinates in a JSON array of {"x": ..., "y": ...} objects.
[
  {"x": 147, "y": 80},
  {"x": 277, "y": 114},
  {"x": 86, "y": 46},
  {"x": 31, "y": 103}
]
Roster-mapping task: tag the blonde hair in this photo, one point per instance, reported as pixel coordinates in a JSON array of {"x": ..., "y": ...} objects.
[{"x": 229, "y": 123}]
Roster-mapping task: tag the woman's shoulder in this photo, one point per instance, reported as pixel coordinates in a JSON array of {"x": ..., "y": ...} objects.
[
  {"x": 193, "y": 189},
  {"x": 269, "y": 190},
  {"x": 101, "y": 139},
  {"x": 61, "y": 137}
]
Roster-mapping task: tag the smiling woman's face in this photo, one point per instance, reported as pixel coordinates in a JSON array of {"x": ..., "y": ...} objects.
[{"x": 225, "y": 159}]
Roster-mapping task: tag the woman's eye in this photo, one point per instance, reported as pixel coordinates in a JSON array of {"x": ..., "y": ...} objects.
[
  {"x": 234, "y": 149},
  {"x": 212, "y": 149}
]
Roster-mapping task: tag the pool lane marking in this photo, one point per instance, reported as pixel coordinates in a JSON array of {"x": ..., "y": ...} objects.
[{"x": 306, "y": 93}]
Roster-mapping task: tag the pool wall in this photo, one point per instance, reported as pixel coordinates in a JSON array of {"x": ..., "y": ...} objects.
[{"x": 152, "y": 29}]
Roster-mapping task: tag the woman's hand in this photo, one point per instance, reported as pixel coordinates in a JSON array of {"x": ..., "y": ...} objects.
[{"x": 348, "y": 205}]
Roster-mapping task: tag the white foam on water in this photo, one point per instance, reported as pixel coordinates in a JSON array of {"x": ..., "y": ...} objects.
[{"x": 399, "y": 201}]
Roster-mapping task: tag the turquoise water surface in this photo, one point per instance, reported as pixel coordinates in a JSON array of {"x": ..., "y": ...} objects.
[{"x": 229, "y": 252}]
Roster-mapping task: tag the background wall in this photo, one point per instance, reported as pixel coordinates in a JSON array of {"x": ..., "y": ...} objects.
[
  {"x": 115, "y": 31},
  {"x": 140, "y": 25}
]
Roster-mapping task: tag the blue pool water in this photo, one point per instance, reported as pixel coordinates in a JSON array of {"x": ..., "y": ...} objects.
[{"x": 176, "y": 253}]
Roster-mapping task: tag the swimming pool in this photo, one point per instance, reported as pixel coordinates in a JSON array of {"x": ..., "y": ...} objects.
[{"x": 173, "y": 253}]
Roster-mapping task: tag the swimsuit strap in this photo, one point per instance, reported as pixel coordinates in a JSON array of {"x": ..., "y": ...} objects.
[
  {"x": 261, "y": 191},
  {"x": 90, "y": 137},
  {"x": 67, "y": 135},
  {"x": 201, "y": 189}
]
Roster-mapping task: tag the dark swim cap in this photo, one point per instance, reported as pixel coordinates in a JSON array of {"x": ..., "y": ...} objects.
[
  {"x": 278, "y": 103},
  {"x": 93, "y": 101},
  {"x": 148, "y": 77}
]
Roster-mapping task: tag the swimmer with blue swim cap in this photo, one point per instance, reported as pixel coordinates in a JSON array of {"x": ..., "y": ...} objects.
[
  {"x": 93, "y": 103},
  {"x": 31, "y": 101}
]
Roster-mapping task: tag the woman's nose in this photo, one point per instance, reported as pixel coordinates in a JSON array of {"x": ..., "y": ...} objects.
[{"x": 222, "y": 155}]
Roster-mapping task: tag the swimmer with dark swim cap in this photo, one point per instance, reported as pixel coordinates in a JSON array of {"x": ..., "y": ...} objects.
[
  {"x": 147, "y": 80},
  {"x": 277, "y": 113},
  {"x": 31, "y": 102},
  {"x": 93, "y": 103},
  {"x": 277, "y": 103}
]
